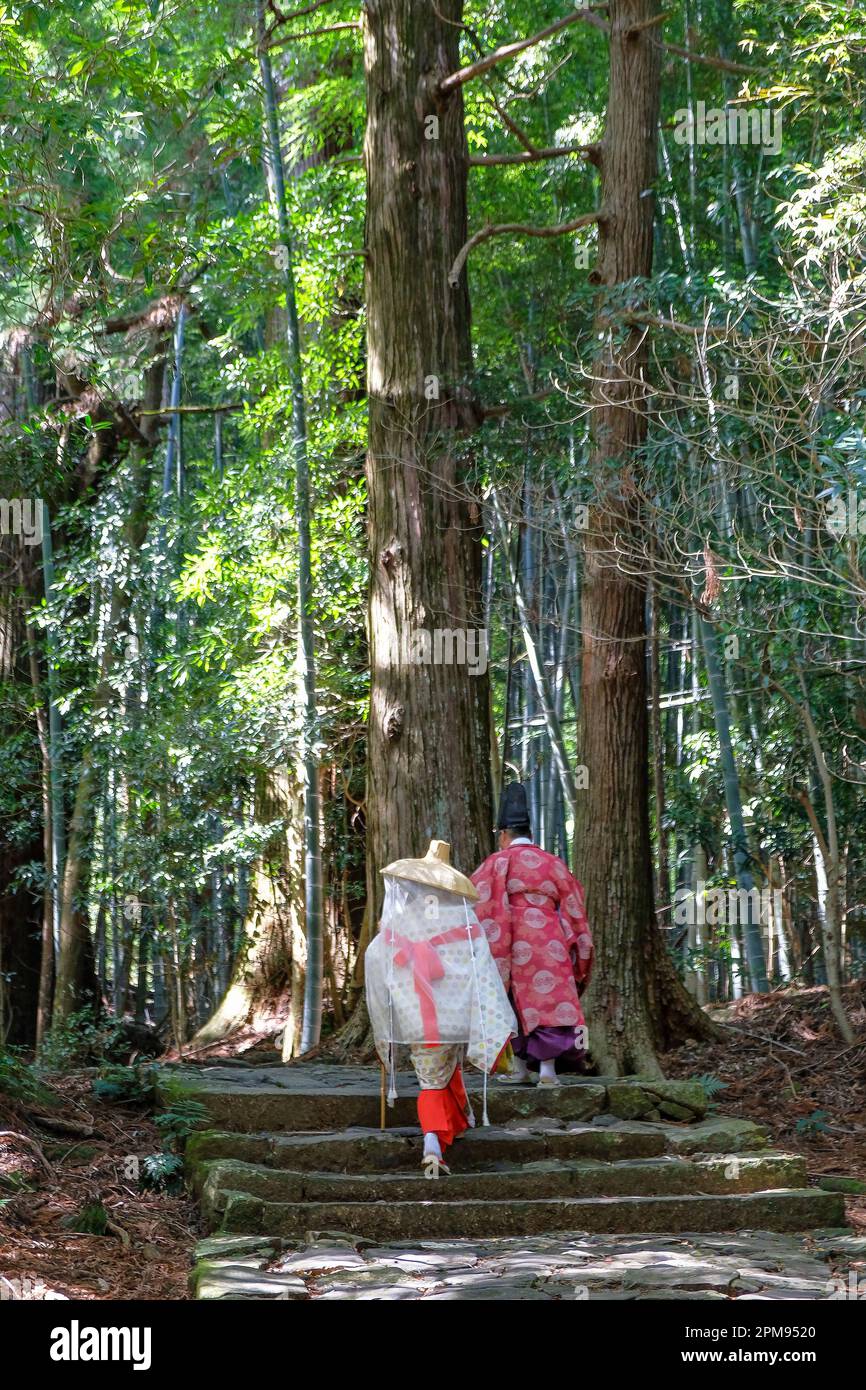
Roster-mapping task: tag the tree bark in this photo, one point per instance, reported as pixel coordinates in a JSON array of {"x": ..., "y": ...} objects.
[
  {"x": 429, "y": 723},
  {"x": 636, "y": 1002}
]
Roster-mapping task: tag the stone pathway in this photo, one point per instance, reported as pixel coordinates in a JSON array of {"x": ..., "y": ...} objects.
[
  {"x": 606, "y": 1188},
  {"x": 753, "y": 1265}
]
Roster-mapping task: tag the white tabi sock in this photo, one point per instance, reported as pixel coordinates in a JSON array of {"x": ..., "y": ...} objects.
[
  {"x": 547, "y": 1068},
  {"x": 432, "y": 1145}
]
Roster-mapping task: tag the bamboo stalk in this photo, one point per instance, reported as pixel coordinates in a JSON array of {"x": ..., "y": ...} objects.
[
  {"x": 745, "y": 882},
  {"x": 539, "y": 675},
  {"x": 312, "y": 1018}
]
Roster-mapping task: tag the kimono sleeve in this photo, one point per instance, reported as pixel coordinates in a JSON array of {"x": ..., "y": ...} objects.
[
  {"x": 572, "y": 912},
  {"x": 493, "y": 911},
  {"x": 376, "y": 991}
]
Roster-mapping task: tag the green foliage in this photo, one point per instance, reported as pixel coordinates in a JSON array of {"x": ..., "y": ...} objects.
[
  {"x": 812, "y": 1125},
  {"x": 162, "y": 1172},
  {"x": 83, "y": 1038},
  {"x": 135, "y": 1085},
  {"x": 180, "y": 1120},
  {"x": 20, "y": 1081},
  {"x": 90, "y": 1220},
  {"x": 131, "y": 170},
  {"x": 711, "y": 1085}
]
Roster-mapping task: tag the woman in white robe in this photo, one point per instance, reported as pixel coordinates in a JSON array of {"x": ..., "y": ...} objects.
[{"x": 433, "y": 986}]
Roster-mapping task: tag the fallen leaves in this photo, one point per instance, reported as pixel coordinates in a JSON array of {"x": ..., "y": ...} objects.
[
  {"x": 46, "y": 1179},
  {"x": 782, "y": 1063}
]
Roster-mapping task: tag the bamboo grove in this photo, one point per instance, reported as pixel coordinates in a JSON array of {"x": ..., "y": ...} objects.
[{"x": 321, "y": 326}]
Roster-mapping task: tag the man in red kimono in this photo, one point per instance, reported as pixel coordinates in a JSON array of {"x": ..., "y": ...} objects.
[{"x": 533, "y": 913}]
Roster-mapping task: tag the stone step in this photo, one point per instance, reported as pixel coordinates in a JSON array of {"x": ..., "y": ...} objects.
[
  {"x": 363, "y": 1150},
  {"x": 295, "y": 1154},
  {"x": 646, "y": 1177},
  {"x": 443, "y": 1218},
  {"x": 317, "y": 1097}
]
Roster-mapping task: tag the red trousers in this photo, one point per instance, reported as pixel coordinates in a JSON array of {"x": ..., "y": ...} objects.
[{"x": 444, "y": 1112}]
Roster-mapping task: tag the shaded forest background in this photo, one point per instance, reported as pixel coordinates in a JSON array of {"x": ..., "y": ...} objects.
[{"x": 156, "y": 738}]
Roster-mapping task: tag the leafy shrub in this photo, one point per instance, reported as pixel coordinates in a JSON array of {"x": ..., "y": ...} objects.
[
  {"x": 162, "y": 1172},
  {"x": 711, "y": 1085},
  {"x": 82, "y": 1039},
  {"x": 91, "y": 1220},
  {"x": 134, "y": 1085},
  {"x": 179, "y": 1121},
  {"x": 19, "y": 1080},
  {"x": 813, "y": 1124}
]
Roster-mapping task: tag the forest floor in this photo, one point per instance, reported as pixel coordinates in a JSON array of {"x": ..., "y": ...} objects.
[
  {"x": 782, "y": 1067},
  {"x": 48, "y": 1177},
  {"x": 785, "y": 1067}
]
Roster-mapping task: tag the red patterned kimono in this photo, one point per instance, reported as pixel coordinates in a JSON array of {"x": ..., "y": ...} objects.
[{"x": 533, "y": 914}]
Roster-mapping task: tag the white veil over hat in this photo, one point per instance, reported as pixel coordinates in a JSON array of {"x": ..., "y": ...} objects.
[{"x": 430, "y": 977}]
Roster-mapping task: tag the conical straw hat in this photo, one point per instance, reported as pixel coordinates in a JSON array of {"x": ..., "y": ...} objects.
[{"x": 435, "y": 870}]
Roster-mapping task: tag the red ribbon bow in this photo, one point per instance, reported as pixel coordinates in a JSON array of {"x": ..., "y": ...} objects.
[{"x": 423, "y": 959}]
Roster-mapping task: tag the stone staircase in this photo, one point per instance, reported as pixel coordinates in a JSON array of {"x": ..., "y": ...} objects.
[{"x": 295, "y": 1156}]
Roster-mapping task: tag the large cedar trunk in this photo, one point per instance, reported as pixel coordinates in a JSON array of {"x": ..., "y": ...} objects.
[
  {"x": 636, "y": 1002},
  {"x": 428, "y": 737}
]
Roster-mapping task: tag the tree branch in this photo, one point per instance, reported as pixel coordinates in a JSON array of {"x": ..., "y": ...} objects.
[
  {"x": 312, "y": 34},
  {"x": 31, "y": 1143},
  {"x": 495, "y": 412},
  {"x": 724, "y": 64},
  {"x": 648, "y": 24},
  {"x": 516, "y": 130},
  {"x": 806, "y": 802},
  {"x": 518, "y": 229},
  {"x": 509, "y": 50},
  {"x": 191, "y": 409},
  {"x": 280, "y": 18},
  {"x": 532, "y": 156},
  {"x": 698, "y": 330}
]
